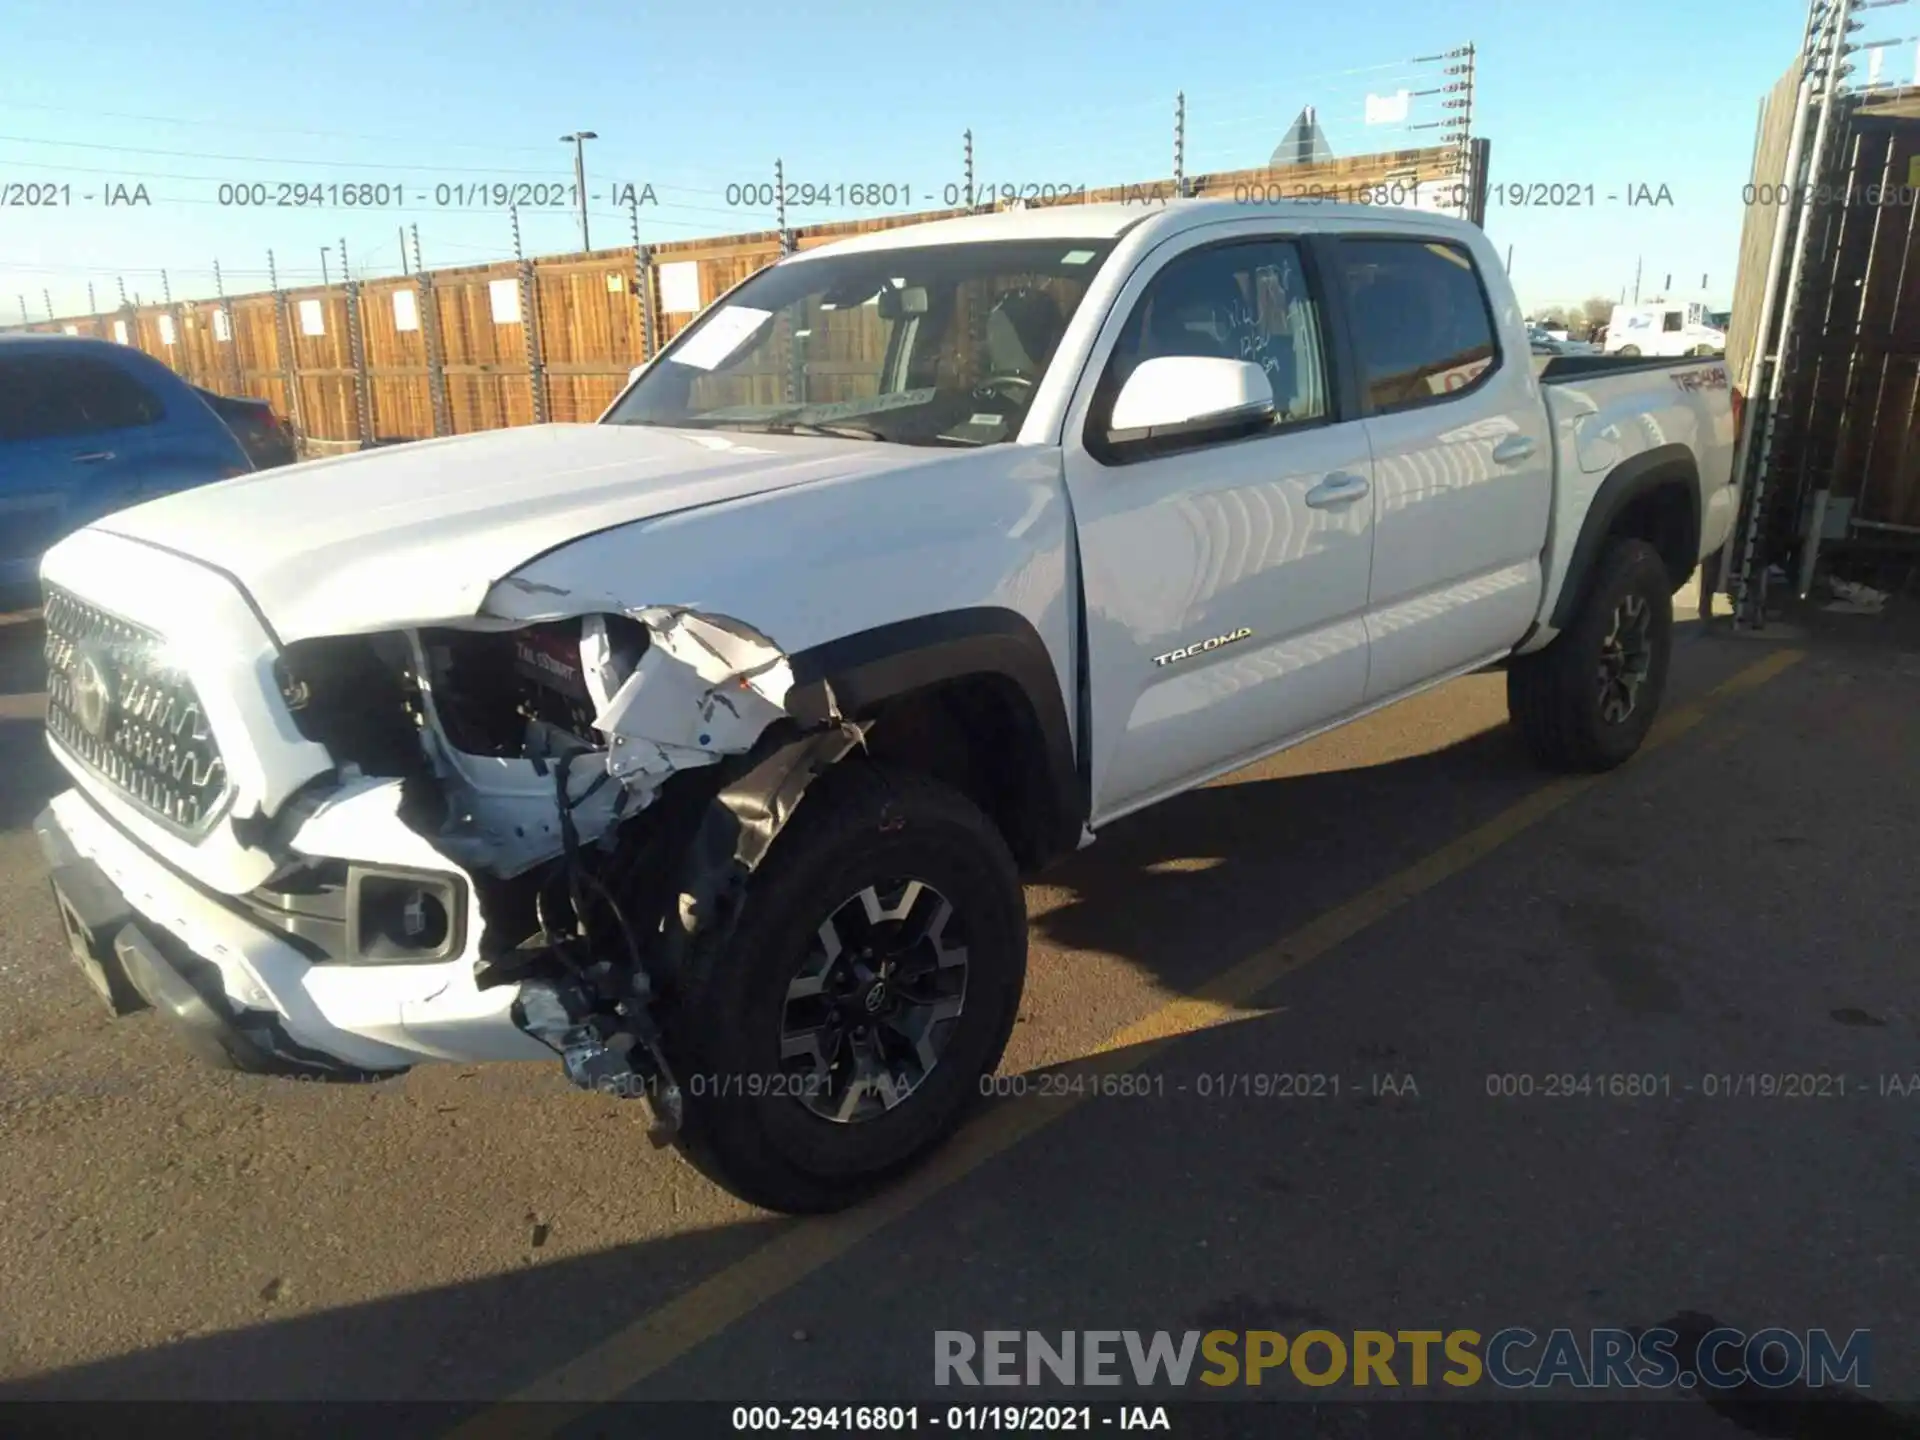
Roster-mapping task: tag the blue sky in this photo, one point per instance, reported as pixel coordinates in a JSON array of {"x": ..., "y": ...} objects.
[{"x": 692, "y": 99}]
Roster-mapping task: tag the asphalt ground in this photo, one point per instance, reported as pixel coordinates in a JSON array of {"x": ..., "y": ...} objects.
[{"x": 1405, "y": 913}]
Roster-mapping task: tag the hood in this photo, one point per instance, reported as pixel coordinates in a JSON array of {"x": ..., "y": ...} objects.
[{"x": 416, "y": 533}]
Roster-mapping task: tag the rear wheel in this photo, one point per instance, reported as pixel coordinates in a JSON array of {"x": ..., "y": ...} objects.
[
  {"x": 1629, "y": 350},
  {"x": 1587, "y": 701},
  {"x": 872, "y": 983}
]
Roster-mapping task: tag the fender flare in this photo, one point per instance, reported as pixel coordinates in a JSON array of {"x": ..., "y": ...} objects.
[
  {"x": 849, "y": 676},
  {"x": 1627, "y": 482}
]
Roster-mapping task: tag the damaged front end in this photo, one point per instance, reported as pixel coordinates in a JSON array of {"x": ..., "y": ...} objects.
[{"x": 609, "y": 780}]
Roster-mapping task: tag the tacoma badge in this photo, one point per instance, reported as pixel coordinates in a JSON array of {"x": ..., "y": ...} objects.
[{"x": 1191, "y": 650}]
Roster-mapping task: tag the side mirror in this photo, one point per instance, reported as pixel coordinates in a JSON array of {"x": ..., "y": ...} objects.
[{"x": 1191, "y": 397}]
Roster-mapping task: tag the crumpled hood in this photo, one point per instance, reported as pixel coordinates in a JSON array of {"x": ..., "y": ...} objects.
[{"x": 416, "y": 533}]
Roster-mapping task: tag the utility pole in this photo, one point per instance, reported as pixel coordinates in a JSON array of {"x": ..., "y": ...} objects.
[
  {"x": 1636, "y": 279},
  {"x": 324, "y": 278},
  {"x": 579, "y": 140},
  {"x": 403, "y": 250},
  {"x": 1509, "y": 259}
]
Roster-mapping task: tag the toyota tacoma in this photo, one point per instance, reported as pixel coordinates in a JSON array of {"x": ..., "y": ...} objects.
[{"x": 705, "y": 746}]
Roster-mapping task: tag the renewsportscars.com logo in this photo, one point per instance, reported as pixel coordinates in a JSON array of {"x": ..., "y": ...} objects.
[{"x": 1511, "y": 1359}]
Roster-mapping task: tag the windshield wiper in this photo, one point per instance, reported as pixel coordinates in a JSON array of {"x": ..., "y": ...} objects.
[{"x": 811, "y": 427}]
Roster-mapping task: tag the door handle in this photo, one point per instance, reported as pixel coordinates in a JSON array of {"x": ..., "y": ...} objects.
[
  {"x": 1338, "y": 489},
  {"x": 93, "y": 457},
  {"x": 1512, "y": 450}
]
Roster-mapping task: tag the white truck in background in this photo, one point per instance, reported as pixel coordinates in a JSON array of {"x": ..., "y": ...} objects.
[
  {"x": 705, "y": 746},
  {"x": 1664, "y": 328}
]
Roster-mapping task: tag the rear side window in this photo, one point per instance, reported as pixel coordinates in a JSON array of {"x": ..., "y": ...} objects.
[
  {"x": 48, "y": 396},
  {"x": 1421, "y": 323}
]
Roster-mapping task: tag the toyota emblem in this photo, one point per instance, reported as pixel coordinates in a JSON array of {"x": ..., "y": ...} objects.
[{"x": 93, "y": 698}]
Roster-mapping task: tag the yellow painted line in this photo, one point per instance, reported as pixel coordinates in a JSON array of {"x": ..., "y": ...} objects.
[{"x": 644, "y": 1348}]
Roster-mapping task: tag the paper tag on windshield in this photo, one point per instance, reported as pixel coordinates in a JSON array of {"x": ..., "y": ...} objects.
[{"x": 720, "y": 336}]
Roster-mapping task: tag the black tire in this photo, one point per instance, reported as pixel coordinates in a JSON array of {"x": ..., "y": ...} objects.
[
  {"x": 1629, "y": 350},
  {"x": 1559, "y": 697},
  {"x": 747, "y": 1126}
]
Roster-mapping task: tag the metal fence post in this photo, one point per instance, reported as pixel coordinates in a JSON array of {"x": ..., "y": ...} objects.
[
  {"x": 430, "y": 336},
  {"x": 357, "y": 349},
  {"x": 529, "y": 325},
  {"x": 780, "y": 207},
  {"x": 179, "y": 363},
  {"x": 642, "y": 280},
  {"x": 1180, "y": 144},
  {"x": 968, "y": 193},
  {"x": 283, "y": 335},
  {"x": 233, "y": 336}
]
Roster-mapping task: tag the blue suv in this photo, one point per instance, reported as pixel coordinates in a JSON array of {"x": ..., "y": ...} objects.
[{"x": 88, "y": 427}]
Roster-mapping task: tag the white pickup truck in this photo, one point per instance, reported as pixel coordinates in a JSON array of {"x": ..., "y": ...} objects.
[{"x": 705, "y": 746}]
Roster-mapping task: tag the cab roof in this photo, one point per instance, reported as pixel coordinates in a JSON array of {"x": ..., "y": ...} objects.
[{"x": 1108, "y": 220}]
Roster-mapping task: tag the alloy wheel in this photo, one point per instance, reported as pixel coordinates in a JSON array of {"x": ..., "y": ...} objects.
[
  {"x": 1626, "y": 658},
  {"x": 874, "y": 1002}
]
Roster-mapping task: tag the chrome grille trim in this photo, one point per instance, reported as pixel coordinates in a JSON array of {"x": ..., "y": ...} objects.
[{"x": 150, "y": 741}]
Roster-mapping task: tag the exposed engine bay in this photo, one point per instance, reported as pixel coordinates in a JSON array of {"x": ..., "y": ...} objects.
[{"x": 527, "y": 757}]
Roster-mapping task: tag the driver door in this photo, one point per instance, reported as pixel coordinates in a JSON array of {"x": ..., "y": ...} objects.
[{"x": 1226, "y": 582}]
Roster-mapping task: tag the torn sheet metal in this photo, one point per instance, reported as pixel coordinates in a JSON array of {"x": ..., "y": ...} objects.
[
  {"x": 707, "y": 687},
  {"x": 738, "y": 828}
]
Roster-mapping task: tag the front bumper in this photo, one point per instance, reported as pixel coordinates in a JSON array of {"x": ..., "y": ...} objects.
[
  {"x": 133, "y": 968},
  {"x": 146, "y": 936}
]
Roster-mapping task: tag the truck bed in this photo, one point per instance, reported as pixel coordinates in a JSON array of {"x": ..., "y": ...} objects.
[{"x": 1560, "y": 368}]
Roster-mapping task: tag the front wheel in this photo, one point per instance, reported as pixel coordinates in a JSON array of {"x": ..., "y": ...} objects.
[
  {"x": 1629, "y": 350},
  {"x": 872, "y": 983},
  {"x": 1587, "y": 701}
]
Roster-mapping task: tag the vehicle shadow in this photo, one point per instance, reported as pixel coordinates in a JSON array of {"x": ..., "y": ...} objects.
[
  {"x": 30, "y": 777},
  {"x": 1210, "y": 876},
  {"x": 23, "y": 664}
]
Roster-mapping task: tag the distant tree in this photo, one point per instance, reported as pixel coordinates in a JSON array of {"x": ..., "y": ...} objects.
[{"x": 1598, "y": 310}]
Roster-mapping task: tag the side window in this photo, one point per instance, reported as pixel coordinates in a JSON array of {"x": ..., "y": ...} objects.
[
  {"x": 1238, "y": 302},
  {"x": 48, "y": 396},
  {"x": 111, "y": 399},
  {"x": 1672, "y": 323},
  {"x": 22, "y": 417},
  {"x": 1421, "y": 324}
]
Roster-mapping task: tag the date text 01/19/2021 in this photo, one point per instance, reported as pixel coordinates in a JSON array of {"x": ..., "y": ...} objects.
[
  {"x": 962, "y": 1419},
  {"x": 1206, "y": 1085}
]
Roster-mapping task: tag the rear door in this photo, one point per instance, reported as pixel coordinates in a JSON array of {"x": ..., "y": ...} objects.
[
  {"x": 1226, "y": 581},
  {"x": 74, "y": 432},
  {"x": 1462, "y": 460}
]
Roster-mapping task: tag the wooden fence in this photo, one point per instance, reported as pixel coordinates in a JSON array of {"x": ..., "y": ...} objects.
[{"x": 447, "y": 352}]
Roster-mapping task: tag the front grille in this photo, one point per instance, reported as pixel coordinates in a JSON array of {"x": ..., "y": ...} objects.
[{"x": 118, "y": 707}]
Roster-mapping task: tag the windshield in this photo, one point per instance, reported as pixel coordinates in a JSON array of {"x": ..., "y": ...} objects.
[{"x": 939, "y": 345}]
